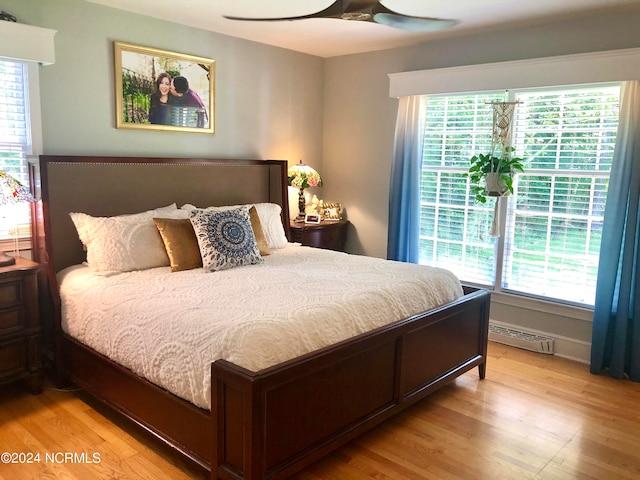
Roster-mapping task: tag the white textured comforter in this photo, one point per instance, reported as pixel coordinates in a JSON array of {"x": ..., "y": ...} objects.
[{"x": 170, "y": 327}]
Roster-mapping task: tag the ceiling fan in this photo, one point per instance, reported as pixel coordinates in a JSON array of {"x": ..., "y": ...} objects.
[{"x": 367, "y": 11}]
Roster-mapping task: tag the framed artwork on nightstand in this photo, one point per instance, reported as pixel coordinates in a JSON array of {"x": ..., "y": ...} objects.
[{"x": 332, "y": 212}]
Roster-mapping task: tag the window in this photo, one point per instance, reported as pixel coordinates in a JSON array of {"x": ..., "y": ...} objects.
[
  {"x": 15, "y": 141},
  {"x": 552, "y": 225}
]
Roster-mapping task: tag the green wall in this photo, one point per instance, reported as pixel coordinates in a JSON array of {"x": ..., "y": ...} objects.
[
  {"x": 335, "y": 114},
  {"x": 359, "y": 123},
  {"x": 268, "y": 100}
]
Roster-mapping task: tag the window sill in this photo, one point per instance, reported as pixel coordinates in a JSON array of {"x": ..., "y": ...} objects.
[{"x": 545, "y": 306}]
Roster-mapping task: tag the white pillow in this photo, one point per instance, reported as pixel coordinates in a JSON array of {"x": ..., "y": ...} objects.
[
  {"x": 125, "y": 242},
  {"x": 269, "y": 214}
]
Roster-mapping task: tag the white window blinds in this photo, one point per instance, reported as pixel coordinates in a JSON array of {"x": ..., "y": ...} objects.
[
  {"x": 15, "y": 142},
  {"x": 553, "y": 221},
  {"x": 453, "y": 228}
]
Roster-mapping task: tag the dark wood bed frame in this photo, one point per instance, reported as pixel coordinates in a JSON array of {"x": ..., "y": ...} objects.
[{"x": 266, "y": 424}]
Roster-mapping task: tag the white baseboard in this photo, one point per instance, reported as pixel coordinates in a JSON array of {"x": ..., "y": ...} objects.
[{"x": 573, "y": 349}]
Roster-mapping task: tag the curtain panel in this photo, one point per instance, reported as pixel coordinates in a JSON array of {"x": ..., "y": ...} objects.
[
  {"x": 404, "y": 193},
  {"x": 615, "y": 341}
]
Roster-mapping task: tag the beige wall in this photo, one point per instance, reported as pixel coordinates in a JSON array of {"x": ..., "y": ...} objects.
[
  {"x": 261, "y": 109},
  {"x": 359, "y": 116},
  {"x": 359, "y": 120},
  {"x": 335, "y": 114}
]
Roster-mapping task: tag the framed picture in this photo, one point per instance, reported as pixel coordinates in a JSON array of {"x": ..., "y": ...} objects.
[
  {"x": 312, "y": 219},
  {"x": 332, "y": 212},
  {"x": 160, "y": 90}
]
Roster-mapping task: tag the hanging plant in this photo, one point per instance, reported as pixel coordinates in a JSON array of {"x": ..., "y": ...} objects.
[{"x": 492, "y": 176}]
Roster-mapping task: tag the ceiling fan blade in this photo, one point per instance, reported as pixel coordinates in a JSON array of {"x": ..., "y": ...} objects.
[
  {"x": 332, "y": 11},
  {"x": 366, "y": 11},
  {"x": 415, "y": 24}
]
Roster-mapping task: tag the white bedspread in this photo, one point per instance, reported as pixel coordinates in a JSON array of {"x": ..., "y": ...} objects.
[{"x": 170, "y": 327}]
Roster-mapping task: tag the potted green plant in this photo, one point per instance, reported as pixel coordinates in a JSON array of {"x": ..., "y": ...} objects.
[{"x": 492, "y": 175}]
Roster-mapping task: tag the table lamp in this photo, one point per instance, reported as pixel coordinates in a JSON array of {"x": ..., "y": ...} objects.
[
  {"x": 11, "y": 192},
  {"x": 303, "y": 176}
]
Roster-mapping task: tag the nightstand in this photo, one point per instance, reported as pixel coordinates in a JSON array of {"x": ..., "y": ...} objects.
[
  {"x": 331, "y": 235},
  {"x": 20, "y": 325}
]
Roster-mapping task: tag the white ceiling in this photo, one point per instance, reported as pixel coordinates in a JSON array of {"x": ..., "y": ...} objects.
[{"x": 332, "y": 37}]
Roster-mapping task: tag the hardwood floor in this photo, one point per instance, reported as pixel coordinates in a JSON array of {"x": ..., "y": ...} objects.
[{"x": 534, "y": 417}]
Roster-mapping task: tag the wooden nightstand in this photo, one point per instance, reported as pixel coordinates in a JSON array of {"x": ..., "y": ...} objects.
[
  {"x": 20, "y": 325},
  {"x": 326, "y": 234}
]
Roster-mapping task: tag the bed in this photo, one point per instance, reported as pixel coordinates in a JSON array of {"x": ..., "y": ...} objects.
[{"x": 257, "y": 420}]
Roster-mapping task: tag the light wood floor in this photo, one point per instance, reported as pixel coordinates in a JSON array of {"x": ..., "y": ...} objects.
[{"x": 533, "y": 417}]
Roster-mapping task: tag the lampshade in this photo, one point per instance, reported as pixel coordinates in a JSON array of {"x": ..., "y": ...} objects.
[
  {"x": 302, "y": 176},
  {"x": 11, "y": 192}
]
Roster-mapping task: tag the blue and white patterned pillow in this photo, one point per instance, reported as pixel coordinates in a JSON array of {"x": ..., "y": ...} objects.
[{"x": 225, "y": 238}]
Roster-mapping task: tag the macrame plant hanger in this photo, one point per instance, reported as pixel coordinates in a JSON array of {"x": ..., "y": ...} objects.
[{"x": 500, "y": 141}]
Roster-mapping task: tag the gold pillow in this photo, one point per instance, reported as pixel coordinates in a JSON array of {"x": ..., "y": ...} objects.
[
  {"x": 180, "y": 242},
  {"x": 256, "y": 226}
]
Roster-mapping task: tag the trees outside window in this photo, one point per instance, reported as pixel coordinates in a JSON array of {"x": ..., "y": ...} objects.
[{"x": 552, "y": 224}]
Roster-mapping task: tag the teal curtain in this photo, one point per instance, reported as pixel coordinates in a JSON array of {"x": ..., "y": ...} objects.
[
  {"x": 615, "y": 344},
  {"x": 404, "y": 191}
]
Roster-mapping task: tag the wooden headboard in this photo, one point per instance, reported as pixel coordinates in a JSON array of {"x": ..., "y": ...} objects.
[{"x": 107, "y": 186}]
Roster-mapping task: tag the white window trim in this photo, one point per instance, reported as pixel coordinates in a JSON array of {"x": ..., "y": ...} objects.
[
  {"x": 563, "y": 70},
  {"x": 26, "y": 43},
  {"x": 35, "y": 120},
  {"x": 598, "y": 67},
  {"x": 35, "y": 113},
  {"x": 546, "y": 306},
  {"x": 33, "y": 46},
  {"x": 500, "y": 295}
]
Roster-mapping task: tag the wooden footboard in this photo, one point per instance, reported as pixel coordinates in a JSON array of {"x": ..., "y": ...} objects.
[
  {"x": 272, "y": 423},
  {"x": 179, "y": 424}
]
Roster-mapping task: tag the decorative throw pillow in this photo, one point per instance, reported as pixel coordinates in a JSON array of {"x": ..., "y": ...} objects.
[
  {"x": 180, "y": 243},
  {"x": 225, "y": 238},
  {"x": 256, "y": 226},
  {"x": 270, "y": 221},
  {"x": 123, "y": 243}
]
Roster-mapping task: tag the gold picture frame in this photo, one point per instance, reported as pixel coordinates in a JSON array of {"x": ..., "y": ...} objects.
[
  {"x": 332, "y": 212},
  {"x": 142, "y": 101}
]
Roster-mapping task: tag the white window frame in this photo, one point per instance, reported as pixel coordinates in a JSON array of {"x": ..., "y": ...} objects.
[
  {"x": 35, "y": 148},
  {"x": 35, "y": 47},
  {"x": 508, "y": 206},
  {"x": 584, "y": 68}
]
